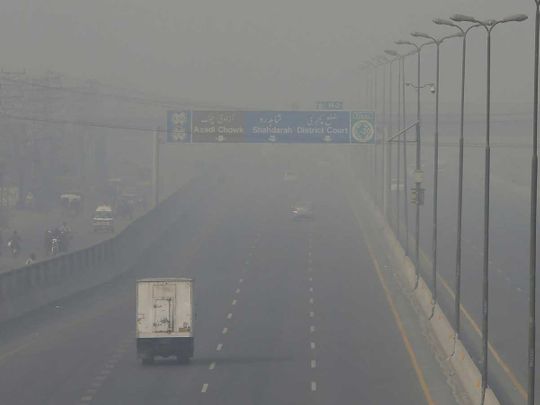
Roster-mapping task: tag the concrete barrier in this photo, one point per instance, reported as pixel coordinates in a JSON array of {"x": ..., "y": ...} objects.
[{"x": 455, "y": 352}]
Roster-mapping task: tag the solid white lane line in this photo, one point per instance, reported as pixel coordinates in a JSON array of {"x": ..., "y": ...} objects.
[
  {"x": 312, "y": 345},
  {"x": 229, "y": 315},
  {"x": 212, "y": 366},
  {"x": 224, "y": 331},
  {"x": 204, "y": 388},
  {"x": 311, "y": 314},
  {"x": 313, "y": 363},
  {"x": 313, "y": 386},
  {"x": 219, "y": 347},
  {"x": 312, "y": 328},
  {"x": 233, "y": 302}
]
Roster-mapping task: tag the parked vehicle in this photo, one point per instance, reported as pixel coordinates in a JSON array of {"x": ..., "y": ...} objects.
[
  {"x": 103, "y": 219},
  {"x": 72, "y": 202},
  {"x": 164, "y": 318}
]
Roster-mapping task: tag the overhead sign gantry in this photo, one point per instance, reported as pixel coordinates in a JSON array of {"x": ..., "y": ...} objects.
[{"x": 205, "y": 126}]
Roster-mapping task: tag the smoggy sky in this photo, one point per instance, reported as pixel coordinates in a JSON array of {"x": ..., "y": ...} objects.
[{"x": 257, "y": 53}]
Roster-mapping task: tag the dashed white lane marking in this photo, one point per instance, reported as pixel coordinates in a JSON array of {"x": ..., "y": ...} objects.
[
  {"x": 237, "y": 291},
  {"x": 311, "y": 300},
  {"x": 312, "y": 328},
  {"x": 313, "y": 386},
  {"x": 219, "y": 347},
  {"x": 233, "y": 302},
  {"x": 212, "y": 366},
  {"x": 224, "y": 331},
  {"x": 241, "y": 280},
  {"x": 313, "y": 363},
  {"x": 311, "y": 314},
  {"x": 204, "y": 388},
  {"x": 229, "y": 315},
  {"x": 246, "y": 262},
  {"x": 519, "y": 289},
  {"x": 312, "y": 345},
  {"x": 311, "y": 279},
  {"x": 87, "y": 398},
  {"x": 310, "y": 289},
  {"x": 310, "y": 269}
]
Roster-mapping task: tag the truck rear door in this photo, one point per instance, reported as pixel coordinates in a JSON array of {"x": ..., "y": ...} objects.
[{"x": 164, "y": 300}]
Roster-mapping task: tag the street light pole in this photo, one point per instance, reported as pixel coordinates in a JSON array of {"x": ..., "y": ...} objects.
[
  {"x": 389, "y": 144},
  {"x": 437, "y": 43},
  {"x": 531, "y": 366},
  {"x": 488, "y": 26},
  {"x": 401, "y": 88},
  {"x": 457, "y": 300},
  {"x": 418, "y": 169},
  {"x": 405, "y": 182}
]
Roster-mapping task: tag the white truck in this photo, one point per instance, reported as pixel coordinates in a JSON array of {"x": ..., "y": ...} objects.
[{"x": 165, "y": 318}]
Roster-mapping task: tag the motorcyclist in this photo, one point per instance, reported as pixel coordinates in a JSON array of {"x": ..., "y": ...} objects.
[
  {"x": 15, "y": 240},
  {"x": 64, "y": 236},
  {"x": 55, "y": 246},
  {"x": 31, "y": 259},
  {"x": 48, "y": 240}
]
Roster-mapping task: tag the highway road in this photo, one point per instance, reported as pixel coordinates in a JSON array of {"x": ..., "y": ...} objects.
[{"x": 288, "y": 311}]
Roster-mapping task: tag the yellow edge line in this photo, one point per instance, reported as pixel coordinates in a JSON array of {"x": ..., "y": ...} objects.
[
  {"x": 506, "y": 368},
  {"x": 404, "y": 337}
]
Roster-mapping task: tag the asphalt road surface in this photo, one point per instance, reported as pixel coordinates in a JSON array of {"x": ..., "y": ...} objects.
[{"x": 288, "y": 311}]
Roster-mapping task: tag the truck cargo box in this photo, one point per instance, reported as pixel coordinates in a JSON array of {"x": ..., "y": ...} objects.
[{"x": 164, "y": 318}]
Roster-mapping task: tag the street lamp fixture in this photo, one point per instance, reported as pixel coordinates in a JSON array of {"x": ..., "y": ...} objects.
[{"x": 431, "y": 86}]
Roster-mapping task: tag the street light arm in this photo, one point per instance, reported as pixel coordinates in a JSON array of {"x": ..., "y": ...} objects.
[
  {"x": 422, "y": 35},
  {"x": 473, "y": 26},
  {"x": 456, "y": 35}
]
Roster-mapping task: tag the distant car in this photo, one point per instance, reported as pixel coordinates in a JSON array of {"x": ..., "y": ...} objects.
[
  {"x": 289, "y": 176},
  {"x": 302, "y": 211},
  {"x": 103, "y": 219}
]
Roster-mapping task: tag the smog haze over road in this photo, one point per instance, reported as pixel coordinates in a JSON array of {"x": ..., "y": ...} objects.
[{"x": 309, "y": 225}]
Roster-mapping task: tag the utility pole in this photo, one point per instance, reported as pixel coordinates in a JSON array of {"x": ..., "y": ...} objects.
[{"x": 156, "y": 166}]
